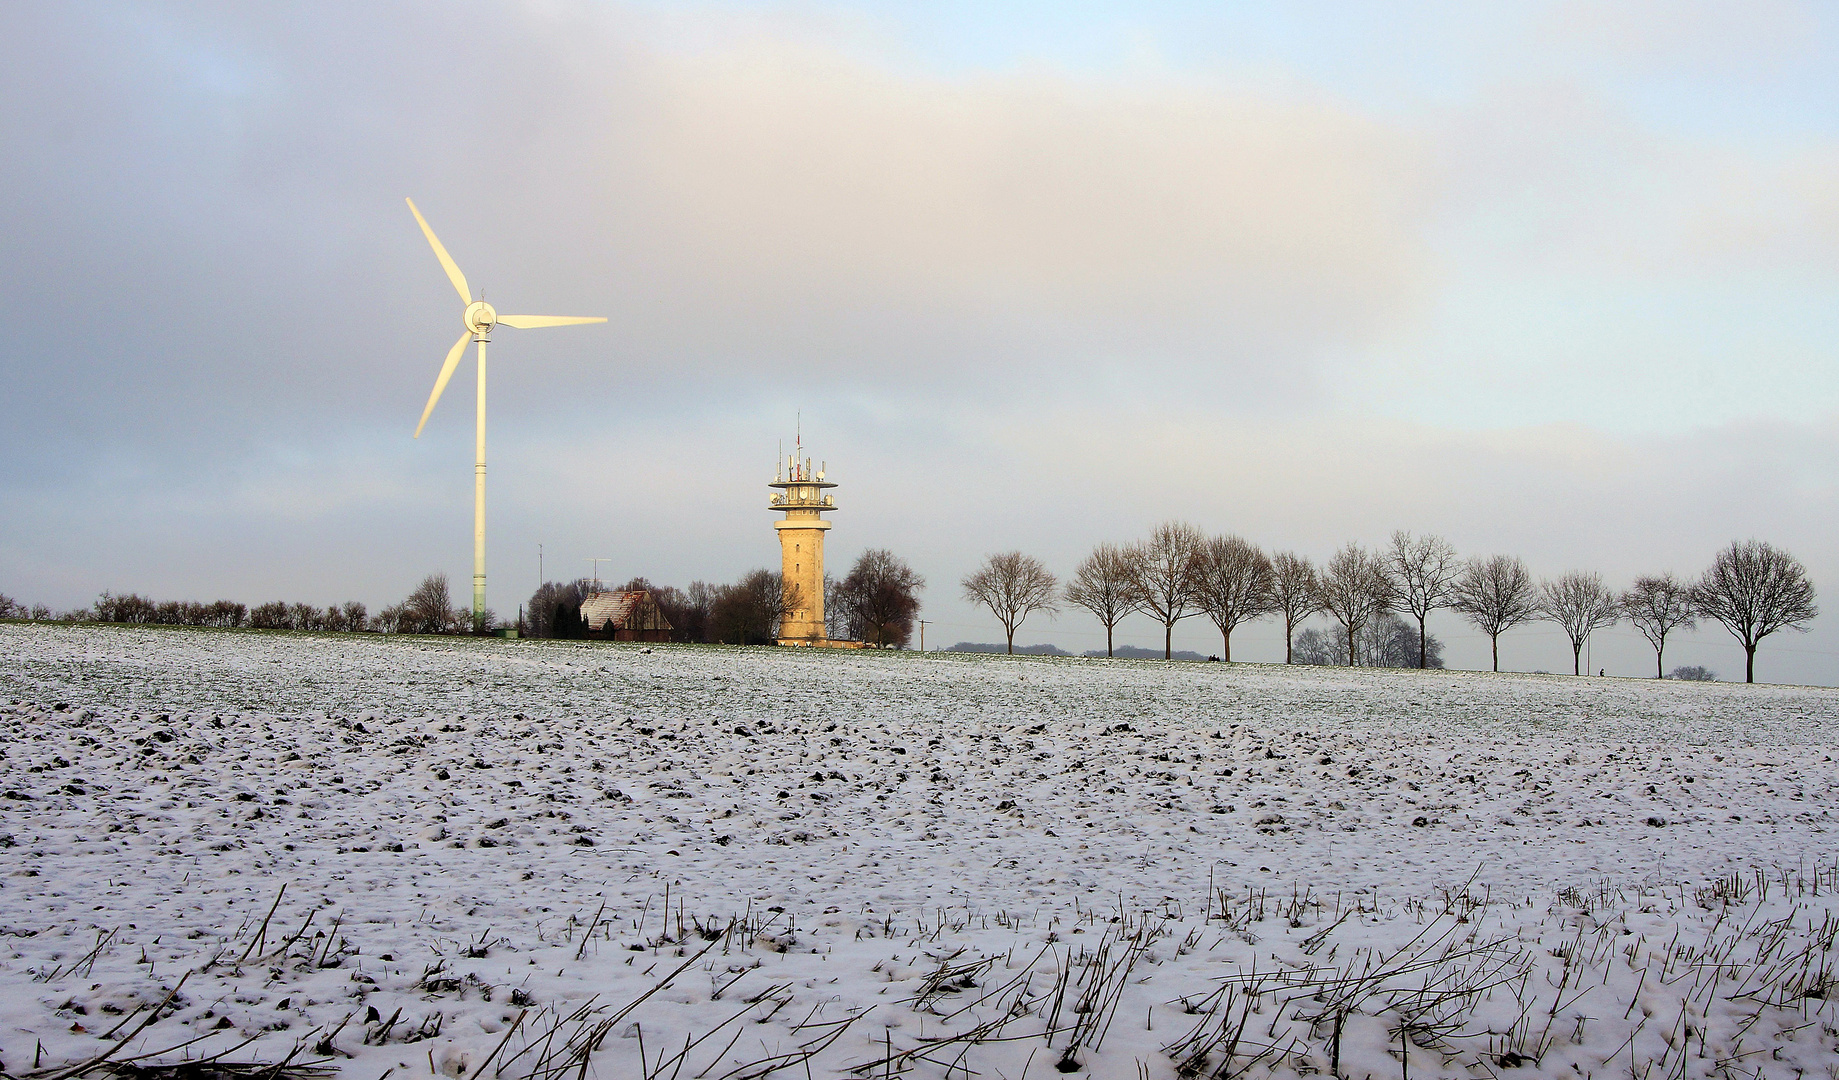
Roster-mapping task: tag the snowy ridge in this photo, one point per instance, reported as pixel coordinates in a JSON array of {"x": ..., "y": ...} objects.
[{"x": 458, "y": 855}]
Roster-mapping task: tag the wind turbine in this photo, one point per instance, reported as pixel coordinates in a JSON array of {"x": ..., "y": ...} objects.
[{"x": 479, "y": 318}]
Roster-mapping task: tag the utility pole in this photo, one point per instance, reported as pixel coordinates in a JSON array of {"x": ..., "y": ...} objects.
[
  {"x": 539, "y": 565},
  {"x": 922, "y": 623},
  {"x": 597, "y": 563}
]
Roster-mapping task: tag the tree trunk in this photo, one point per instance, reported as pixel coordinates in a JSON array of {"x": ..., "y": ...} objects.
[
  {"x": 1749, "y": 663},
  {"x": 1011, "y": 631},
  {"x": 1168, "y": 641},
  {"x": 1352, "y": 635},
  {"x": 1423, "y": 636},
  {"x": 1108, "y": 653},
  {"x": 1495, "y": 641},
  {"x": 1577, "y": 658},
  {"x": 1289, "y": 640},
  {"x": 1660, "y": 666},
  {"x": 1226, "y": 646}
]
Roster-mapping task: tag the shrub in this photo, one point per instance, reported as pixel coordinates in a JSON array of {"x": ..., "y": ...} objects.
[
  {"x": 132, "y": 608},
  {"x": 271, "y": 616}
]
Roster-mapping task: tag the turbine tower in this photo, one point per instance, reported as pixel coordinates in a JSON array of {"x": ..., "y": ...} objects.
[{"x": 479, "y": 318}]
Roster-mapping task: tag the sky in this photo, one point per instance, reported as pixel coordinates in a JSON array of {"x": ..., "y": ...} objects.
[{"x": 1557, "y": 280}]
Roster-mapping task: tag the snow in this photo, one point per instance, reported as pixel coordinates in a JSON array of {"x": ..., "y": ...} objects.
[{"x": 936, "y": 857}]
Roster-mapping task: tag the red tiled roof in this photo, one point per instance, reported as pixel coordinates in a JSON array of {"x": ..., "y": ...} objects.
[{"x": 619, "y": 607}]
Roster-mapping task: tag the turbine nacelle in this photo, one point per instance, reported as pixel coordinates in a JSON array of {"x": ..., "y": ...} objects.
[{"x": 480, "y": 318}]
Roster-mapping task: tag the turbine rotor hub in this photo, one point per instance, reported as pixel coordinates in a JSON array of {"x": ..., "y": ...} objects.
[{"x": 481, "y": 317}]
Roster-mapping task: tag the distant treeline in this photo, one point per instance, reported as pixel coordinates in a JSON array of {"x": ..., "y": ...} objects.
[
  {"x": 1122, "y": 652},
  {"x": 1752, "y": 589},
  {"x": 1388, "y": 641},
  {"x": 877, "y": 603},
  {"x": 427, "y": 610}
]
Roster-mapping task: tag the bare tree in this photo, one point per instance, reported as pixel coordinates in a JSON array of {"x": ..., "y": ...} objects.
[
  {"x": 1755, "y": 589},
  {"x": 554, "y": 609},
  {"x": 227, "y": 613},
  {"x": 131, "y": 608},
  {"x": 1162, "y": 576},
  {"x": 1013, "y": 586},
  {"x": 270, "y": 616},
  {"x": 429, "y": 609},
  {"x": 691, "y": 616},
  {"x": 1354, "y": 589},
  {"x": 1232, "y": 584},
  {"x": 836, "y": 614},
  {"x": 879, "y": 599},
  {"x": 1497, "y": 595},
  {"x": 750, "y": 611},
  {"x": 1294, "y": 594},
  {"x": 1579, "y": 603},
  {"x": 1424, "y": 570},
  {"x": 1657, "y": 606},
  {"x": 1102, "y": 585}
]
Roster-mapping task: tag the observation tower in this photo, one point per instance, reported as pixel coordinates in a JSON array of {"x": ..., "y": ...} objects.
[{"x": 801, "y": 495}]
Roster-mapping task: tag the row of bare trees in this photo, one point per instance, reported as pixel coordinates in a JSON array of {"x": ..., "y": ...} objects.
[
  {"x": 428, "y": 609},
  {"x": 134, "y": 608},
  {"x": 13, "y": 609},
  {"x": 1752, "y": 588},
  {"x": 276, "y": 615},
  {"x": 1180, "y": 573}
]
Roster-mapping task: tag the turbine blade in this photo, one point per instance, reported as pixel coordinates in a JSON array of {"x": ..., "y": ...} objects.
[
  {"x": 531, "y": 322},
  {"x": 447, "y": 263},
  {"x": 453, "y": 361}
]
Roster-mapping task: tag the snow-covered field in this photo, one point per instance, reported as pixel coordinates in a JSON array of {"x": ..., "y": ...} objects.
[{"x": 412, "y": 855}]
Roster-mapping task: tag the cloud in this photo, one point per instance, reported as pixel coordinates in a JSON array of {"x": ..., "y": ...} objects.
[
  {"x": 226, "y": 208},
  {"x": 824, "y": 204},
  {"x": 1725, "y": 36},
  {"x": 1780, "y": 211},
  {"x": 1556, "y": 174}
]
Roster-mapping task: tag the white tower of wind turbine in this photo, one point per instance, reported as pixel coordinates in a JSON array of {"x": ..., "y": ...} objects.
[{"x": 479, "y": 319}]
